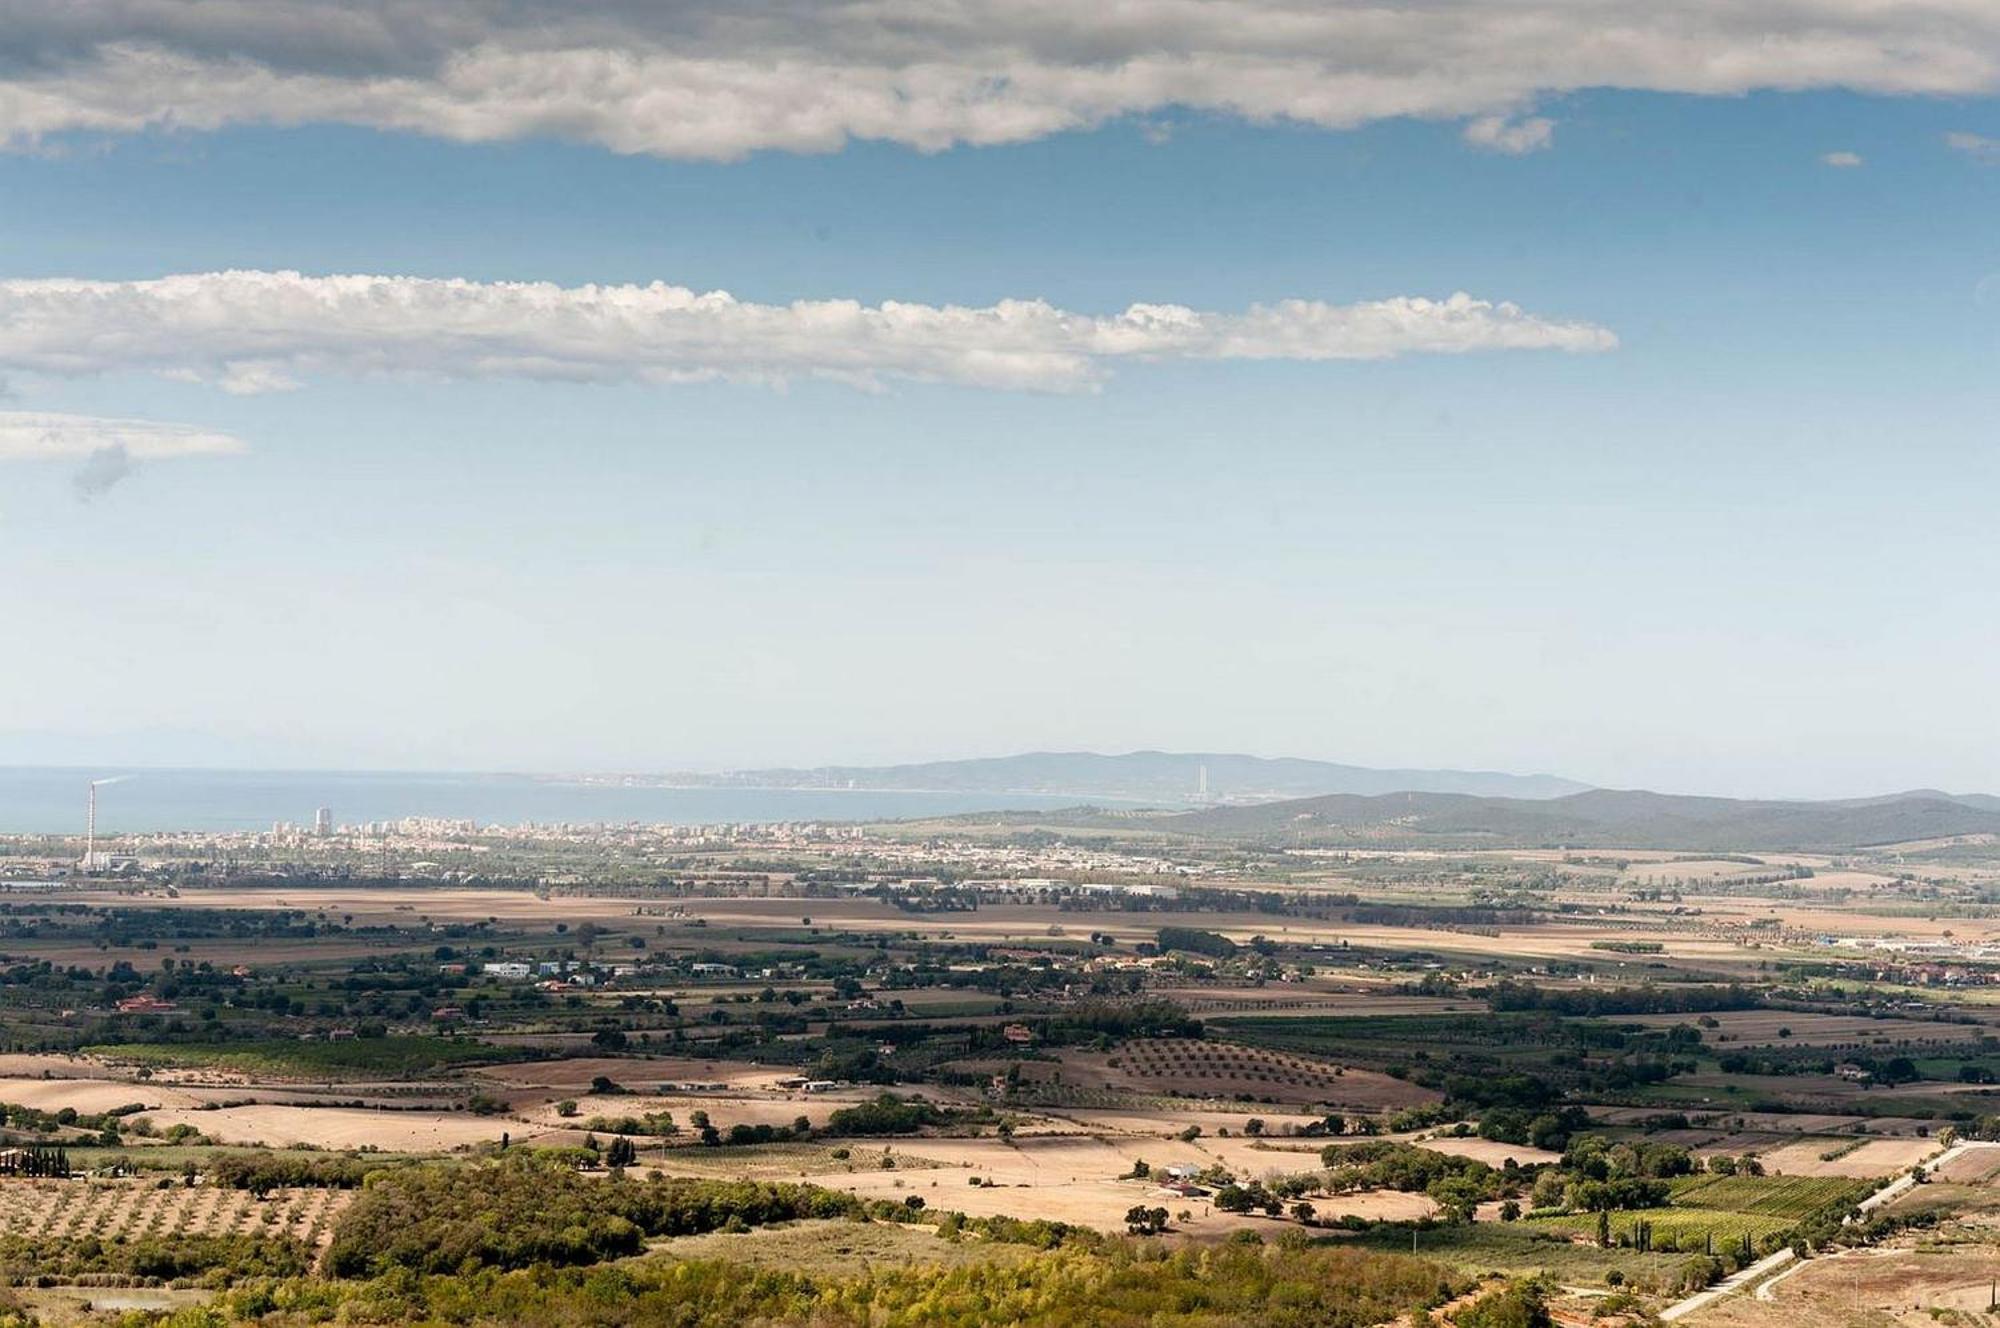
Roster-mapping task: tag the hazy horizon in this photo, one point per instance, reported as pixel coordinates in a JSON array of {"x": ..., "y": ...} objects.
[{"x": 86, "y": 769}]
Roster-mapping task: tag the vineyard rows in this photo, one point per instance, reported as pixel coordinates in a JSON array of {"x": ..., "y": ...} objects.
[
  {"x": 1791, "y": 1197},
  {"x": 1689, "y": 1228},
  {"x": 1725, "y": 1208},
  {"x": 1178, "y": 1060}
]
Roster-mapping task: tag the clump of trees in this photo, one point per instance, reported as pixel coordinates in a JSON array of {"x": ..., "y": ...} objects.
[
  {"x": 1600, "y": 1177},
  {"x": 1517, "y": 1305},
  {"x": 217, "y": 1260},
  {"x": 1458, "y": 1184},
  {"x": 1114, "y": 1283},
  {"x": 889, "y": 1114},
  {"x": 262, "y": 1172},
  {"x": 529, "y": 1209},
  {"x": 1587, "y": 1002},
  {"x": 1195, "y": 941}
]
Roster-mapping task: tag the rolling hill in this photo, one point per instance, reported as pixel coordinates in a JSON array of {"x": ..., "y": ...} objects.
[
  {"x": 1171, "y": 777},
  {"x": 1597, "y": 818}
]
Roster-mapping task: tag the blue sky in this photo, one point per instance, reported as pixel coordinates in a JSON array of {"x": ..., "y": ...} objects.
[{"x": 1749, "y": 550}]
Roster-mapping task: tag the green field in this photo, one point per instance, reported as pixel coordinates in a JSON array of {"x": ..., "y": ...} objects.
[
  {"x": 383, "y": 1057},
  {"x": 1725, "y": 1208},
  {"x": 1794, "y": 1197},
  {"x": 1512, "y": 1249}
]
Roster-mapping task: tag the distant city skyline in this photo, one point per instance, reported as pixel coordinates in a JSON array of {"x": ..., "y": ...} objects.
[{"x": 1388, "y": 390}]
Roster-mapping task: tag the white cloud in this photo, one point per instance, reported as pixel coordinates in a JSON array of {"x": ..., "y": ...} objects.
[
  {"x": 1974, "y": 145},
  {"x": 41, "y": 436},
  {"x": 1514, "y": 137},
  {"x": 1846, "y": 161},
  {"x": 720, "y": 78},
  {"x": 260, "y": 331},
  {"x": 107, "y": 450}
]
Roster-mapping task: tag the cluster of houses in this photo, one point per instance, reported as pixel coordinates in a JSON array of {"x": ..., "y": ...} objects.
[
  {"x": 555, "y": 974},
  {"x": 1927, "y": 963},
  {"x": 579, "y": 973}
]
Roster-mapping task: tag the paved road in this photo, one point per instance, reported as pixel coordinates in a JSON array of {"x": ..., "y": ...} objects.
[
  {"x": 1728, "y": 1286},
  {"x": 1771, "y": 1263}
]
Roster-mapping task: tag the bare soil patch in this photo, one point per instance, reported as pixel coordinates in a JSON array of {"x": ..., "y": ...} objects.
[
  {"x": 1829, "y": 1157},
  {"x": 90, "y": 1096},
  {"x": 342, "y": 1127},
  {"x": 1766, "y": 1028}
]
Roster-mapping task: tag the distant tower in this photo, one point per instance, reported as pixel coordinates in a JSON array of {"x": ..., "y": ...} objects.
[
  {"x": 89, "y": 862},
  {"x": 1201, "y": 788},
  {"x": 323, "y": 822}
]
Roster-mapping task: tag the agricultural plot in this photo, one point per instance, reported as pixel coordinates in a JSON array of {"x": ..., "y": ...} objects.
[
  {"x": 1512, "y": 1248},
  {"x": 1725, "y": 1209},
  {"x": 1912, "y": 1281},
  {"x": 1860, "y": 1158},
  {"x": 341, "y": 1127},
  {"x": 1981, "y": 1166},
  {"x": 819, "y": 1248},
  {"x": 788, "y": 1161},
  {"x": 382, "y": 1058},
  {"x": 90, "y": 1095},
  {"x": 131, "y": 1210},
  {"x": 1857, "y": 1033},
  {"x": 1793, "y": 1197},
  {"x": 1189, "y": 1068}
]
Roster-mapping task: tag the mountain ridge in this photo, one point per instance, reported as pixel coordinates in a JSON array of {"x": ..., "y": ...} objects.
[
  {"x": 1156, "y": 775},
  {"x": 1600, "y": 818}
]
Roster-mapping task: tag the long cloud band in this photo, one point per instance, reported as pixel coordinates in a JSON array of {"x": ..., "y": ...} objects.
[
  {"x": 717, "y": 79},
  {"x": 262, "y": 331}
]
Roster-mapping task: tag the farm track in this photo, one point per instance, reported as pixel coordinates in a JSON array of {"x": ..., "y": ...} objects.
[{"x": 1763, "y": 1268}]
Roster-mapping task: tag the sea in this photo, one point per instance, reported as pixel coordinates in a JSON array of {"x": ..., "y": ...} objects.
[{"x": 51, "y": 800}]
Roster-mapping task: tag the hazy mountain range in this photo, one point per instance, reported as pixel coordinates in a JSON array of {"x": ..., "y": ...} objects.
[
  {"x": 1601, "y": 818},
  {"x": 1167, "y": 777},
  {"x": 1299, "y": 801}
]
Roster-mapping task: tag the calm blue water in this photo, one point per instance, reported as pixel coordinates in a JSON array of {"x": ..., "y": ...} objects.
[{"x": 37, "y": 800}]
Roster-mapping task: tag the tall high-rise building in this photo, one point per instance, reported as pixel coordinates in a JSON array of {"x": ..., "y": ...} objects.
[{"x": 323, "y": 822}]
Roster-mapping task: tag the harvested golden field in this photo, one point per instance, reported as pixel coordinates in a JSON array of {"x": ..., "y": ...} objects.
[
  {"x": 637, "y": 1074},
  {"x": 129, "y": 1209},
  {"x": 1077, "y": 1180},
  {"x": 1875, "y": 1158},
  {"x": 1981, "y": 1166},
  {"x": 786, "y": 1161},
  {"x": 1490, "y": 1151},
  {"x": 1769, "y": 1028},
  {"x": 90, "y": 1096},
  {"x": 1305, "y": 999},
  {"x": 1073, "y": 1177},
  {"x": 1164, "y": 1120},
  {"x": 342, "y": 1127},
  {"x": 1905, "y": 1285},
  {"x": 724, "y": 1109}
]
